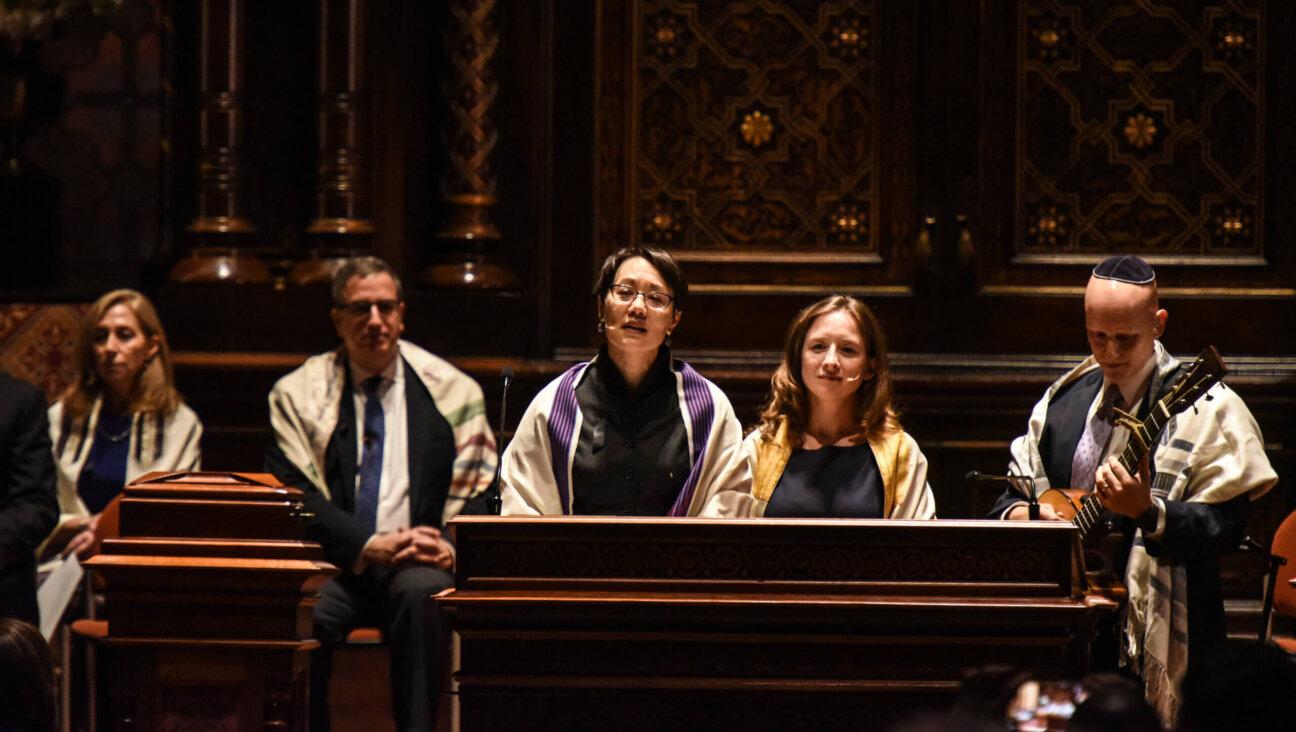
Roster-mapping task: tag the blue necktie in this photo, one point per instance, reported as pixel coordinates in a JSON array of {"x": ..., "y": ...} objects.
[{"x": 366, "y": 505}]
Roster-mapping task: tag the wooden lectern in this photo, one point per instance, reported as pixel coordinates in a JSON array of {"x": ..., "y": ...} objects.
[
  {"x": 209, "y": 592},
  {"x": 628, "y": 624}
]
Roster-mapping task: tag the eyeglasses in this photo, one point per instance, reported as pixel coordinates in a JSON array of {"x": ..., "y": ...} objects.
[
  {"x": 361, "y": 308},
  {"x": 625, "y": 294}
]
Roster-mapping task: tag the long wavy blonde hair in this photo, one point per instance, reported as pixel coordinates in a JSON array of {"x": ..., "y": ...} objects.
[
  {"x": 154, "y": 390},
  {"x": 874, "y": 412}
]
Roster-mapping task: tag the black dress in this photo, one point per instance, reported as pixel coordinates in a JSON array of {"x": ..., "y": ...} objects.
[{"x": 831, "y": 482}]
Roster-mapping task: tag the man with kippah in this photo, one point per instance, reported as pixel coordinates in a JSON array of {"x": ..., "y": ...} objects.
[{"x": 1182, "y": 510}]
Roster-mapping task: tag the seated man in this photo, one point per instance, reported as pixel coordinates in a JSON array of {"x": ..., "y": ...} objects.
[
  {"x": 388, "y": 442},
  {"x": 28, "y": 502},
  {"x": 1179, "y": 513}
]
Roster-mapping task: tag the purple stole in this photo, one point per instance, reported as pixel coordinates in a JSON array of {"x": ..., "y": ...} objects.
[{"x": 699, "y": 410}]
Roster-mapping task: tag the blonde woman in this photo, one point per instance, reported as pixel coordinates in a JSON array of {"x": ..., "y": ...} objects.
[
  {"x": 829, "y": 443},
  {"x": 120, "y": 419}
]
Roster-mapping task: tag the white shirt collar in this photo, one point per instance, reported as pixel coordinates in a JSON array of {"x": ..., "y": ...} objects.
[
  {"x": 359, "y": 376},
  {"x": 1133, "y": 388}
]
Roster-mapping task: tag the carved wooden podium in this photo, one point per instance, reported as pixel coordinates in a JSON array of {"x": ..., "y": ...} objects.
[
  {"x": 209, "y": 592},
  {"x": 627, "y": 624}
]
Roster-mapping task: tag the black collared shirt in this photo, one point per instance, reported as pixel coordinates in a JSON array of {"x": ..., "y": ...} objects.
[{"x": 632, "y": 457}]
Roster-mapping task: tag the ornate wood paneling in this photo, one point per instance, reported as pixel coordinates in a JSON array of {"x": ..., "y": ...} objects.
[
  {"x": 667, "y": 608},
  {"x": 685, "y": 559},
  {"x": 765, "y": 143},
  {"x": 36, "y": 344},
  {"x": 1142, "y": 127},
  {"x": 1139, "y": 130}
]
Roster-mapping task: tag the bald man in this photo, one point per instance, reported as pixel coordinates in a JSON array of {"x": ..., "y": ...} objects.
[{"x": 1183, "y": 509}]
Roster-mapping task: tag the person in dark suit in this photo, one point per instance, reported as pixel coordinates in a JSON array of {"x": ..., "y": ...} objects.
[
  {"x": 1181, "y": 509},
  {"x": 388, "y": 442},
  {"x": 28, "y": 503}
]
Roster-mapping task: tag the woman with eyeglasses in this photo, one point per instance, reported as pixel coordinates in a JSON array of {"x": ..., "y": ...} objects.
[
  {"x": 829, "y": 444},
  {"x": 121, "y": 418},
  {"x": 632, "y": 432}
]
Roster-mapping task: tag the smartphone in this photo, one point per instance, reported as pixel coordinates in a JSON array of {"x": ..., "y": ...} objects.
[{"x": 1043, "y": 706}]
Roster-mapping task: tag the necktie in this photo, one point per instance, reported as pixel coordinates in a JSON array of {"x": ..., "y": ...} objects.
[
  {"x": 366, "y": 505},
  {"x": 1093, "y": 442}
]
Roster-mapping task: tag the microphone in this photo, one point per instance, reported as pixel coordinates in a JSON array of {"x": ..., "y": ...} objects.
[
  {"x": 859, "y": 376},
  {"x": 494, "y": 502},
  {"x": 1015, "y": 481}
]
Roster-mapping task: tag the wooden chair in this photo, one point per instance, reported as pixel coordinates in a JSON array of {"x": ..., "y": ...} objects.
[
  {"x": 360, "y": 683},
  {"x": 1283, "y": 630}
]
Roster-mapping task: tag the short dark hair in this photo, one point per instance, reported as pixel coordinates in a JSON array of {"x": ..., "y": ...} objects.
[
  {"x": 660, "y": 259},
  {"x": 27, "y": 688},
  {"x": 362, "y": 267}
]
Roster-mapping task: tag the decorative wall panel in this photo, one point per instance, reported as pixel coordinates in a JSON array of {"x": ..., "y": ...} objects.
[
  {"x": 1140, "y": 130},
  {"x": 36, "y": 343},
  {"x": 743, "y": 134}
]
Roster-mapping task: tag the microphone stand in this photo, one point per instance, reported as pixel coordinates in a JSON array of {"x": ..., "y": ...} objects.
[
  {"x": 1032, "y": 501},
  {"x": 494, "y": 501},
  {"x": 1015, "y": 482}
]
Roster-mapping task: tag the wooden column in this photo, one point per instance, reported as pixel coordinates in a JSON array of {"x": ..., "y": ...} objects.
[
  {"x": 342, "y": 224},
  {"x": 469, "y": 241},
  {"x": 221, "y": 228}
]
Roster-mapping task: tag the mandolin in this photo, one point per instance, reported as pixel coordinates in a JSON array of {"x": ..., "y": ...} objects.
[{"x": 1082, "y": 506}]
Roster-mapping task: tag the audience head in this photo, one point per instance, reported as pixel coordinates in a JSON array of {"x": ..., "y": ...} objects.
[
  {"x": 27, "y": 690},
  {"x": 121, "y": 354},
  {"x": 985, "y": 693},
  {"x": 835, "y": 350},
  {"x": 368, "y": 311},
  {"x": 1114, "y": 703},
  {"x": 641, "y": 294},
  {"x": 981, "y": 704},
  {"x": 1245, "y": 685},
  {"x": 1123, "y": 317}
]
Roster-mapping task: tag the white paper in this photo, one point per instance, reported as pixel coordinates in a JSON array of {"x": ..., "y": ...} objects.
[{"x": 56, "y": 592}]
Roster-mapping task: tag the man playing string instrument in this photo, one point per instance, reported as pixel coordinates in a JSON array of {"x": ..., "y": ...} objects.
[{"x": 1178, "y": 512}]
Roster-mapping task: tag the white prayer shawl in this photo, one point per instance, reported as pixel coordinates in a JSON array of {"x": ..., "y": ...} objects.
[
  {"x": 1208, "y": 454},
  {"x": 157, "y": 443},
  {"x": 901, "y": 464},
  {"x": 537, "y": 475},
  {"x": 304, "y": 412}
]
